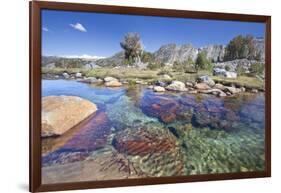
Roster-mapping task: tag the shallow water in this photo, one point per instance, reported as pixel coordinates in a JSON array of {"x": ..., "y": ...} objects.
[{"x": 157, "y": 134}]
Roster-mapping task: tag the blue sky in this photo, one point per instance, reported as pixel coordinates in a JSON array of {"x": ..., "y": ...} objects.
[{"x": 66, "y": 33}]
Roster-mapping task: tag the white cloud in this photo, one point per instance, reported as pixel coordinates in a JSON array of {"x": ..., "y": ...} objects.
[
  {"x": 45, "y": 29},
  {"x": 85, "y": 56},
  {"x": 79, "y": 27}
]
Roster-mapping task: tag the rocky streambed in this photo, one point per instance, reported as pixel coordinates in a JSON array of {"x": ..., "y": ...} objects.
[{"x": 135, "y": 132}]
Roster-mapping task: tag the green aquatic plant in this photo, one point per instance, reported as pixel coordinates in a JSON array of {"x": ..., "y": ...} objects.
[{"x": 214, "y": 151}]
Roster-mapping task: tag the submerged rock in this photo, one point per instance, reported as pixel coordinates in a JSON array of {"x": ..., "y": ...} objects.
[
  {"x": 154, "y": 151},
  {"x": 75, "y": 146},
  {"x": 92, "y": 135},
  {"x": 185, "y": 113},
  {"x": 103, "y": 165},
  {"x": 215, "y": 118},
  {"x": 61, "y": 113},
  {"x": 161, "y": 107},
  {"x": 168, "y": 117}
]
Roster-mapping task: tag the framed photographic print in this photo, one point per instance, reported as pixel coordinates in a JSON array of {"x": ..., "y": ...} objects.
[{"x": 123, "y": 96}]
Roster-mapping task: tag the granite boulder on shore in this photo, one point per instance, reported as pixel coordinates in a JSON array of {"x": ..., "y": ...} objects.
[{"x": 61, "y": 113}]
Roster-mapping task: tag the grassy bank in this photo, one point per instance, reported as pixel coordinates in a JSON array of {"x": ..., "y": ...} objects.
[
  {"x": 245, "y": 81},
  {"x": 133, "y": 74}
]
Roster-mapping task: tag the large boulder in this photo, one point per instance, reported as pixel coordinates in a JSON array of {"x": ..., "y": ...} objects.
[
  {"x": 206, "y": 79},
  {"x": 113, "y": 83},
  {"x": 61, "y": 113},
  {"x": 176, "y": 86}
]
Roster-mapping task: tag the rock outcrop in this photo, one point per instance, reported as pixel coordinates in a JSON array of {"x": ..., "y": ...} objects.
[
  {"x": 170, "y": 53},
  {"x": 61, "y": 113},
  {"x": 233, "y": 64},
  {"x": 166, "y": 54},
  {"x": 214, "y": 53},
  {"x": 259, "y": 44}
]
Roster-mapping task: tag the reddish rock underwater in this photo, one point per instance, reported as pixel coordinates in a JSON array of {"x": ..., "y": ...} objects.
[{"x": 138, "y": 133}]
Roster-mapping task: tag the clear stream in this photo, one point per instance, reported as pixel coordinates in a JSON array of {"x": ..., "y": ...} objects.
[{"x": 215, "y": 135}]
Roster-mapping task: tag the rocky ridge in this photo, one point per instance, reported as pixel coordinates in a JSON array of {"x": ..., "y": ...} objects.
[{"x": 166, "y": 54}]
